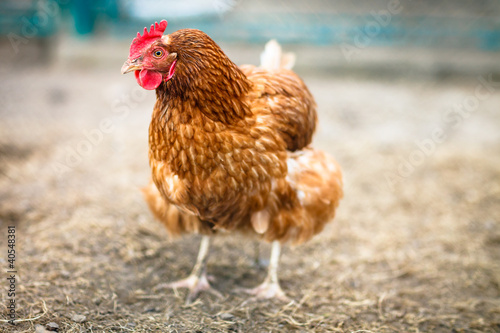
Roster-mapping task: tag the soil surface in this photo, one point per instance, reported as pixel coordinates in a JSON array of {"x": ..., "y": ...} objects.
[{"x": 415, "y": 246}]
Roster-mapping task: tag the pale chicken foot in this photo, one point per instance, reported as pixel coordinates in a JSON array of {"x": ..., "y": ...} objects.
[
  {"x": 270, "y": 288},
  {"x": 197, "y": 281}
]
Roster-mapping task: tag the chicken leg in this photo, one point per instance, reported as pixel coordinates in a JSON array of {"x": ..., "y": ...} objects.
[
  {"x": 197, "y": 281},
  {"x": 270, "y": 288}
]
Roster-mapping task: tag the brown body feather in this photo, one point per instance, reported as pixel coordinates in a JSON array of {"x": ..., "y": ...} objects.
[{"x": 228, "y": 149}]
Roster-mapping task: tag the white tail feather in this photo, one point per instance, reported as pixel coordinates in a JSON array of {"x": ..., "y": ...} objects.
[{"x": 273, "y": 58}]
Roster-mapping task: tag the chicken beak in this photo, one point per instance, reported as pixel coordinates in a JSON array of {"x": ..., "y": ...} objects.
[{"x": 129, "y": 67}]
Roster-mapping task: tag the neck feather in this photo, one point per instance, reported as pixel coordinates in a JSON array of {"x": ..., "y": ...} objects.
[{"x": 212, "y": 85}]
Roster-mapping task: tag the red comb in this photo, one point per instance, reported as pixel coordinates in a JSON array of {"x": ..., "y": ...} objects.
[{"x": 141, "y": 42}]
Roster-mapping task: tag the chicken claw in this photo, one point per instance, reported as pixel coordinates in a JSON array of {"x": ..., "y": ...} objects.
[
  {"x": 194, "y": 283},
  {"x": 266, "y": 290},
  {"x": 270, "y": 288},
  {"x": 197, "y": 281}
]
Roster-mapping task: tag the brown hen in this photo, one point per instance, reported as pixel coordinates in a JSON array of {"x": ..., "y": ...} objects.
[{"x": 228, "y": 147}]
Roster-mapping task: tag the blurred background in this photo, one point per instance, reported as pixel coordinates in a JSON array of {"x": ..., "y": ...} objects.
[
  {"x": 408, "y": 96},
  {"x": 448, "y": 36}
]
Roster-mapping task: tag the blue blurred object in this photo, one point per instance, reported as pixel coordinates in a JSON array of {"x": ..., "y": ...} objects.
[
  {"x": 28, "y": 18},
  {"x": 84, "y": 16},
  {"x": 86, "y": 13}
]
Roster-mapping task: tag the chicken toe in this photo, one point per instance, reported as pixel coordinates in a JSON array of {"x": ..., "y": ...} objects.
[
  {"x": 195, "y": 284},
  {"x": 266, "y": 290},
  {"x": 270, "y": 288},
  {"x": 198, "y": 280}
]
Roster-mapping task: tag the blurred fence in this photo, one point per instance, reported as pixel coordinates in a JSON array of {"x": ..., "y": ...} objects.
[{"x": 348, "y": 24}]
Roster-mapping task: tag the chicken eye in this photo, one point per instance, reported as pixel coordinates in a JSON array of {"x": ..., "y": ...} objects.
[{"x": 158, "y": 53}]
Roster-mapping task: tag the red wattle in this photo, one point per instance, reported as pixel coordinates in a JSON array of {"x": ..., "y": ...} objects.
[{"x": 148, "y": 79}]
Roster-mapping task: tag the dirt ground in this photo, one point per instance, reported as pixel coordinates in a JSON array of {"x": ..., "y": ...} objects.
[{"x": 415, "y": 246}]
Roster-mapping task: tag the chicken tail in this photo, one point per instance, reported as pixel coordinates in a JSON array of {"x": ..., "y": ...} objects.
[{"x": 273, "y": 58}]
